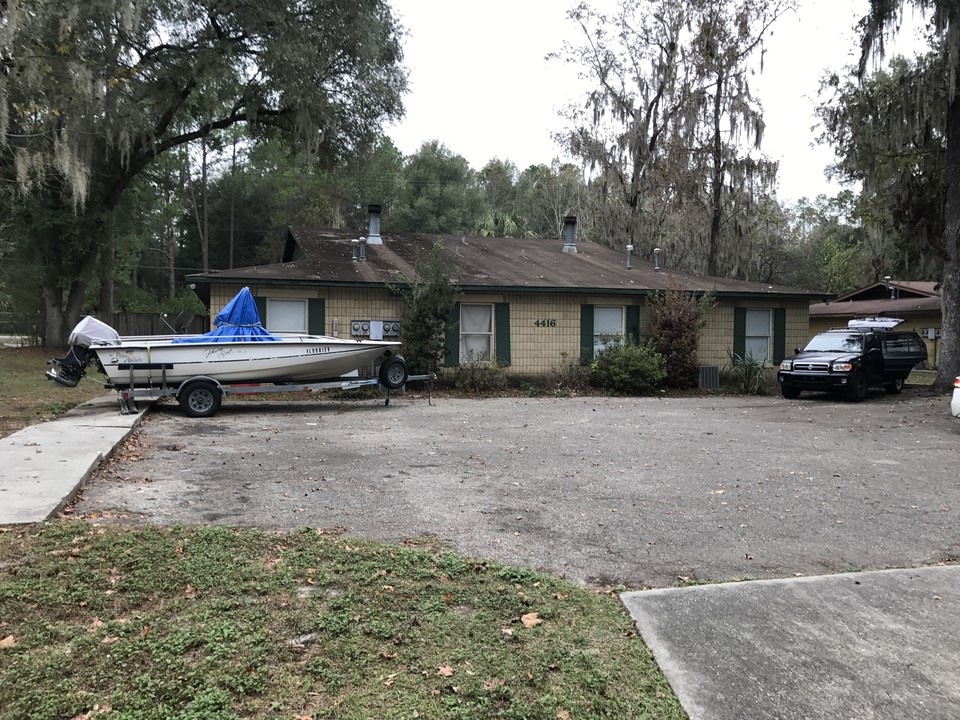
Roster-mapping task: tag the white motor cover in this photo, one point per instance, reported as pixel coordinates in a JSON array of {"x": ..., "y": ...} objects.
[{"x": 91, "y": 331}]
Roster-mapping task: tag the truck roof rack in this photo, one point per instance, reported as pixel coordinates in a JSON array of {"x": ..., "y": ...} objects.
[{"x": 875, "y": 323}]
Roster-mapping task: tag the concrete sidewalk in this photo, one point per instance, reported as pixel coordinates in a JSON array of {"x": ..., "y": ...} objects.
[
  {"x": 43, "y": 466},
  {"x": 858, "y": 646}
]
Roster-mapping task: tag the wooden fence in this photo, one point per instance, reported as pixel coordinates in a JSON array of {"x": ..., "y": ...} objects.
[
  {"x": 152, "y": 323},
  {"x": 124, "y": 323}
]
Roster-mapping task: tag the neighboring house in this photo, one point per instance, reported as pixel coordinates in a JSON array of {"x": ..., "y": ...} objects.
[
  {"x": 532, "y": 305},
  {"x": 918, "y": 304}
]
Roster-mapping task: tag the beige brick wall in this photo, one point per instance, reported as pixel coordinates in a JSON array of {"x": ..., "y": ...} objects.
[
  {"x": 340, "y": 303},
  {"x": 534, "y": 349},
  {"x": 539, "y": 350},
  {"x": 716, "y": 338}
]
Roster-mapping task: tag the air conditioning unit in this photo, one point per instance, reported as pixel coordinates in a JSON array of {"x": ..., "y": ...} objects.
[{"x": 709, "y": 377}]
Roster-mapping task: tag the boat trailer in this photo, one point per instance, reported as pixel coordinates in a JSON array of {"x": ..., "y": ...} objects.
[{"x": 200, "y": 396}]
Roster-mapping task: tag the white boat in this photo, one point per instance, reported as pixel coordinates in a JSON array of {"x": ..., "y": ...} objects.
[
  {"x": 238, "y": 350},
  {"x": 156, "y": 362}
]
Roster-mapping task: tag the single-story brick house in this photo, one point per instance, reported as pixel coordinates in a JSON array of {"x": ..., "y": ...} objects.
[
  {"x": 533, "y": 305},
  {"x": 918, "y": 304}
]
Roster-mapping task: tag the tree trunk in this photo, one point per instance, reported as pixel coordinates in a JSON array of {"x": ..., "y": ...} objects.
[
  {"x": 949, "y": 365},
  {"x": 53, "y": 334},
  {"x": 107, "y": 266},
  {"x": 716, "y": 191},
  {"x": 205, "y": 230},
  {"x": 170, "y": 246}
]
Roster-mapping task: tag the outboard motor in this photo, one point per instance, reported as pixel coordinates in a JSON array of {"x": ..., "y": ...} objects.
[{"x": 69, "y": 369}]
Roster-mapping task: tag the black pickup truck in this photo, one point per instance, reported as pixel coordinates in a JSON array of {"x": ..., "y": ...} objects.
[{"x": 848, "y": 361}]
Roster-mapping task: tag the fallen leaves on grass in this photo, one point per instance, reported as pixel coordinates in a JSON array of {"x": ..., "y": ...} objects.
[
  {"x": 8, "y": 642},
  {"x": 530, "y": 620},
  {"x": 444, "y": 670}
]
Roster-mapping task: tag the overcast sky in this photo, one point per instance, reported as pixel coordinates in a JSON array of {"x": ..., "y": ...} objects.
[{"x": 480, "y": 83}]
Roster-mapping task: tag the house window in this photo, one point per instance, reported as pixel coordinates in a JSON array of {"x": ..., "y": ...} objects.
[
  {"x": 757, "y": 335},
  {"x": 287, "y": 315},
  {"x": 476, "y": 333},
  {"x": 607, "y": 328}
]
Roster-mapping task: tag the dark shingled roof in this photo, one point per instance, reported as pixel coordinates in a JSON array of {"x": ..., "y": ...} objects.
[
  {"x": 912, "y": 297},
  {"x": 324, "y": 257},
  {"x": 902, "y": 288},
  {"x": 870, "y": 308}
]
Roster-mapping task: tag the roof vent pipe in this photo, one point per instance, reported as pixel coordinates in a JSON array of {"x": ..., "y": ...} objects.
[
  {"x": 629, "y": 257},
  {"x": 570, "y": 234},
  {"x": 363, "y": 248},
  {"x": 356, "y": 249},
  {"x": 373, "y": 232},
  {"x": 656, "y": 259},
  {"x": 886, "y": 281}
]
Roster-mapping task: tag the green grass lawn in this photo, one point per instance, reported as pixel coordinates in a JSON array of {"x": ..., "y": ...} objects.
[
  {"x": 27, "y": 397},
  {"x": 212, "y": 623}
]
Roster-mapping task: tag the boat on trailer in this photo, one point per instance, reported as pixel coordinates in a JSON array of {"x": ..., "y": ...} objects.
[{"x": 238, "y": 353}]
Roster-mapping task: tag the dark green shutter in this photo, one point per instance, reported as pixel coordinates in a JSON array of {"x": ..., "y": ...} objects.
[
  {"x": 739, "y": 334},
  {"x": 261, "y": 309},
  {"x": 452, "y": 341},
  {"x": 779, "y": 334},
  {"x": 586, "y": 334},
  {"x": 501, "y": 316},
  {"x": 316, "y": 316},
  {"x": 633, "y": 324}
]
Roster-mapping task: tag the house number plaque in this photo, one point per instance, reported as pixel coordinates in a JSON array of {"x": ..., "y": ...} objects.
[{"x": 545, "y": 323}]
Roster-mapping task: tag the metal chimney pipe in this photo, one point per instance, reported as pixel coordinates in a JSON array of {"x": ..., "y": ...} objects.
[
  {"x": 656, "y": 259},
  {"x": 629, "y": 257},
  {"x": 373, "y": 231},
  {"x": 356, "y": 249},
  {"x": 570, "y": 234},
  {"x": 363, "y": 248}
]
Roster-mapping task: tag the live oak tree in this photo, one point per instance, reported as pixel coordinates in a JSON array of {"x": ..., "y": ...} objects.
[
  {"x": 944, "y": 22},
  {"x": 92, "y": 92},
  {"x": 900, "y": 165},
  {"x": 723, "y": 121}
]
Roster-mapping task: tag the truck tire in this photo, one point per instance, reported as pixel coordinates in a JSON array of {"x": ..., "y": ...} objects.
[
  {"x": 200, "y": 398},
  {"x": 789, "y": 392},
  {"x": 894, "y": 387},
  {"x": 857, "y": 387}
]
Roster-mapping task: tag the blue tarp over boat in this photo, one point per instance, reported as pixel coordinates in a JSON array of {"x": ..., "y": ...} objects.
[{"x": 239, "y": 321}]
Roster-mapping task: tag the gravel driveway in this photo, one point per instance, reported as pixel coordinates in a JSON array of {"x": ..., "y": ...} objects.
[{"x": 637, "y": 492}]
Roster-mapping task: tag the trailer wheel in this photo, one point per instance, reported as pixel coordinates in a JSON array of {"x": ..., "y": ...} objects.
[
  {"x": 393, "y": 373},
  {"x": 200, "y": 398}
]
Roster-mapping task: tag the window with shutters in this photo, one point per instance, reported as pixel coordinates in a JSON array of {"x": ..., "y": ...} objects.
[
  {"x": 607, "y": 328},
  {"x": 476, "y": 333},
  {"x": 757, "y": 334}
]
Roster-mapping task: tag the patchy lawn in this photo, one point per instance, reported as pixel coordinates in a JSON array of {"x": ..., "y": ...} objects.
[
  {"x": 119, "y": 622},
  {"x": 27, "y": 397}
]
